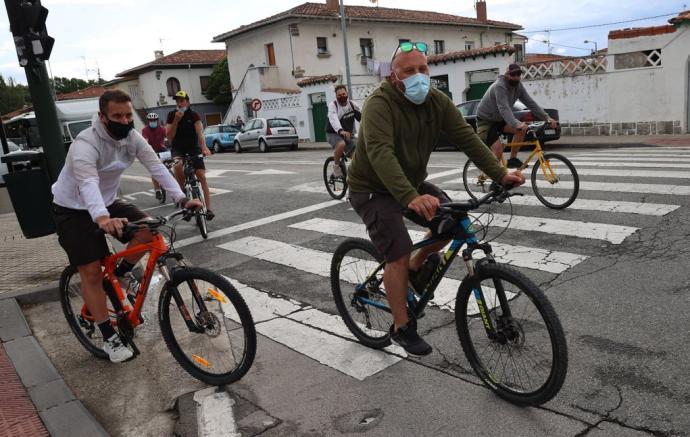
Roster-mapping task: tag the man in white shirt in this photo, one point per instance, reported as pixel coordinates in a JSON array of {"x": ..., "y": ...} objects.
[
  {"x": 342, "y": 113},
  {"x": 84, "y": 198}
]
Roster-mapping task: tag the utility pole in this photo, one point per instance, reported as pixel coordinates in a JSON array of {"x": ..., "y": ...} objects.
[
  {"x": 27, "y": 24},
  {"x": 548, "y": 41},
  {"x": 347, "y": 57}
]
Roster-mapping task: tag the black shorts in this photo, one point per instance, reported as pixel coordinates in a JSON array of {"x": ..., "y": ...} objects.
[
  {"x": 197, "y": 161},
  {"x": 77, "y": 232},
  {"x": 490, "y": 131},
  {"x": 383, "y": 217}
]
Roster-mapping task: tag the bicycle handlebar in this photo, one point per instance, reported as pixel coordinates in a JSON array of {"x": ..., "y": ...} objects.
[
  {"x": 152, "y": 223},
  {"x": 497, "y": 193}
]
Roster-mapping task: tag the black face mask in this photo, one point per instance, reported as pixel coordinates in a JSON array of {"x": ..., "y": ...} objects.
[
  {"x": 513, "y": 82},
  {"x": 119, "y": 131}
]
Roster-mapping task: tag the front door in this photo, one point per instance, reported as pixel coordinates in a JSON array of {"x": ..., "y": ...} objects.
[{"x": 319, "y": 113}]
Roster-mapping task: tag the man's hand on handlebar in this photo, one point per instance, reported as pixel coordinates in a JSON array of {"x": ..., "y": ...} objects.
[
  {"x": 553, "y": 123},
  {"x": 425, "y": 205},
  {"x": 346, "y": 135},
  {"x": 193, "y": 204},
  {"x": 205, "y": 151},
  {"x": 522, "y": 126},
  {"x": 112, "y": 226},
  {"x": 513, "y": 179}
]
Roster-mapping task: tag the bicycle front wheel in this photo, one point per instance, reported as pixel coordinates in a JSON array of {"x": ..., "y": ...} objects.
[
  {"x": 555, "y": 181},
  {"x": 335, "y": 185},
  {"x": 199, "y": 215},
  {"x": 80, "y": 321},
  {"x": 524, "y": 357},
  {"x": 357, "y": 286},
  {"x": 207, "y": 326},
  {"x": 476, "y": 183}
]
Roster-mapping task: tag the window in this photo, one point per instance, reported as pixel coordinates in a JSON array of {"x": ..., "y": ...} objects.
[
  {"x": 279, "y": 122},
  {"x": 270, "y": 54},
  {"x": 321, "y": 45},
  {"x": 367, "y": 46},
  {"x": 439, "y": 46},
  {"x": 204, "y": 81},
  {"x": 469, "y": 45},
  {"x": 173, "y": 86},
  {"x": 228, "y": 129},
  {"x": 519, "y": 53}
]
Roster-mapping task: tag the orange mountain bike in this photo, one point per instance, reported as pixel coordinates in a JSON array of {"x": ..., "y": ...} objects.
[{"x": 203, "y": 319}]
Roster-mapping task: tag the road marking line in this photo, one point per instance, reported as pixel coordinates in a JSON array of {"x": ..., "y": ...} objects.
[
  {"x": 655, "y": 149},
  {"x": 215, "y": 415},
  {"x": 621, "y": 187},
  {"x": 574, "y": 228},
  {"x": 319, "y": 263},
  {"x": 629, "y": 164},
  {"x": 642, "y": 208},
  {"x": 256, "y": 223},
  {"x": 635, "y": 173},
  {"x": 318, "y": 335},
  {"x": 631, "y": 159},
  {"x": 520, "y": 256},
  {"x": 633, "y": 155},
  {"x": 443, "y": 174},
  {"x": 310, "y": 187}
]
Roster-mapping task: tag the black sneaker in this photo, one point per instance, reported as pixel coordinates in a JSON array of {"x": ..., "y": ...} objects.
[
  {"x": 514, "y": 163},
  {"x": 420, "y": 278},
  {"x": 159, "y": 195},
  {"x": 209, "y": 215},
  {"x": 406, "y": 337}
]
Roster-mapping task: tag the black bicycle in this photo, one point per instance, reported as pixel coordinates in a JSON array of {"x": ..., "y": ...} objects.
[
  {"x": 507, "y": 327},
  {"x": 193, "y": 190}
]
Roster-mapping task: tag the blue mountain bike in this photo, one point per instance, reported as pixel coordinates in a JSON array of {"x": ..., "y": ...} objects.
[{"x": 508, "y": 329}]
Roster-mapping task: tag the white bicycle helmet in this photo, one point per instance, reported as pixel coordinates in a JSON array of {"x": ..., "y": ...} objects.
[{"x": 152, "y": 116}]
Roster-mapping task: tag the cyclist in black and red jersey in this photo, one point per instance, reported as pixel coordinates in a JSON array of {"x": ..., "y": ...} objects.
[{"x": 154, "y": 133}]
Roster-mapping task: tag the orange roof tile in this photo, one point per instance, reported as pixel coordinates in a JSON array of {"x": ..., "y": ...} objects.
[
  {"x": 181, "y": 57},
  {"x": 464, "y": 54},
  {"x": 641, "y": 31},
  {"x": 316, "y": 80},
  {"x": 368, "y": 13}
]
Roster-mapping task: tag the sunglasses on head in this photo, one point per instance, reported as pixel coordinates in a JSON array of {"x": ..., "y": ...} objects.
[{"x": 407, "y": 47}]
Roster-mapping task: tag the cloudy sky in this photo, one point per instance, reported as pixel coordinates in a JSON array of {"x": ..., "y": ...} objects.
[{"x": 114, "y": 35}]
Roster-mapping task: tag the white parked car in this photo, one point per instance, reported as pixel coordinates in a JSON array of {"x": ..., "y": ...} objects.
[
  {"x": 267, "y": 133},
  {"x": 3, "y": 167}
]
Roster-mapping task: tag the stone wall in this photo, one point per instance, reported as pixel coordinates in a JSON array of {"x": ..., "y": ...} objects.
[{"x": 618, "y": 129}]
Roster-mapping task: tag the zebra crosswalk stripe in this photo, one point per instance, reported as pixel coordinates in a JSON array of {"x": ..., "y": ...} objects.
[
  {"x": 622, "y": 163},
  {"x": 519, "y": 256},
  {"x": 629, "y": 159},
  {"x": 635, "y": 173}
]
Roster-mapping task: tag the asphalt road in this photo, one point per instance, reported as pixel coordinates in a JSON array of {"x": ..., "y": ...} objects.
[{"x": 614, "y": 266}]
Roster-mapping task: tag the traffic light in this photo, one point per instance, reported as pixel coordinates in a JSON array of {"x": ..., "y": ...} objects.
[{"x": 28, "y": 26}]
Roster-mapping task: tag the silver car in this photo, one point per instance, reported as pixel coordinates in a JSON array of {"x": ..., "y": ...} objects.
[{"x": 267, "y": 133}]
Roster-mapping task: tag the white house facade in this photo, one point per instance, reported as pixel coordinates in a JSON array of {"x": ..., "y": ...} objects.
[
  {"x": 153, "y": 84},
  {"x": 290, "y": 61}
]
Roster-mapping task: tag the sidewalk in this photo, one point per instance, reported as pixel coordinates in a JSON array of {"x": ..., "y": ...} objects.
[{"x": 623, "y": 141}]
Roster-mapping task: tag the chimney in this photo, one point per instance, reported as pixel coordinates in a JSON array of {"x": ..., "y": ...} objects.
[
  {"x": 480, "y": 5},
  {"x": 333, "y": 5},
  {"x": 157, "y": 54}
]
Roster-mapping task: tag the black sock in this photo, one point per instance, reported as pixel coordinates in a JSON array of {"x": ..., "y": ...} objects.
[
  {"x": 124, "y": 267},
  {"x": 106, "y": 329}
]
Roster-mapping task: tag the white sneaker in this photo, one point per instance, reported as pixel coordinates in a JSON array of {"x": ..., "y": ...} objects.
[
  {"x": 117, "y": 352},
  {"x": 337, "y": 171}
]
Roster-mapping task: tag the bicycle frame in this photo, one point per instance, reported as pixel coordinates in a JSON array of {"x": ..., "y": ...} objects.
[
  {"x": 156, "y": 248},
  {"x": 462, "y": 235}
]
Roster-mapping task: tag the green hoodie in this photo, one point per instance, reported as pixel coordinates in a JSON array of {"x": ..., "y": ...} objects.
[{"x": 396, "y": 138}]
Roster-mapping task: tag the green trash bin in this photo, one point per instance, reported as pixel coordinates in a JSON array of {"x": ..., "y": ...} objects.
[{"x": 28, "y": 185}]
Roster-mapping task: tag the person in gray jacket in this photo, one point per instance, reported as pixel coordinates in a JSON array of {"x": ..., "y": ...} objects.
[{"x": 495, "y": 113}]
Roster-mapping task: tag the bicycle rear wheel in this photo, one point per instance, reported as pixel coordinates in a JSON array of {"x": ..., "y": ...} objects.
[
  {"x": 555, "y": 182},
  {"x": 335, "y": 185},
  {"x": 526, "y": 361},
  {"x": 80, "y": 321},
  {"x": 361, "y": 303},
  {"x": 476, "y": 183},
  {"x": 199, "y": 215},
  {"x": 217, "y": 344}
]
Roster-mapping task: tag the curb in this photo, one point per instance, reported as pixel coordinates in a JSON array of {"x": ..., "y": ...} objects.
[
  {"x": 34, "y": 295},
  {"x": 61, "y": 412}
]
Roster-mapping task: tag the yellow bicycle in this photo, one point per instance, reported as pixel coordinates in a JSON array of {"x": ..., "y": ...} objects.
[{"x": 554, "y": 179}]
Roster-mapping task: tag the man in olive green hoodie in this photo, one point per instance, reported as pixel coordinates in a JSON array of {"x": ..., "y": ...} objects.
[{"x": 401, "y": 122}]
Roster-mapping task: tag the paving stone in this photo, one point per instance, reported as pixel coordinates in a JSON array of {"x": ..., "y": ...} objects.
[
  {"x": 71, "y": 419},
  {"x": 30, "y": 361},
  {"x": 12, "y": 322},
  {"x": 50, "y": 394}
]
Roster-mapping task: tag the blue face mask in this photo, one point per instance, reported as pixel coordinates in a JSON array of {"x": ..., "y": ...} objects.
[
  {"x": 182, "y": 109},
  {"x": 416, "y": 88},
  {"x": 153, "y": 125}
]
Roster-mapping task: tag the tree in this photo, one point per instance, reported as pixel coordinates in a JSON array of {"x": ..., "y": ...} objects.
[
  {"x": 219, "y": 88},
  {"x": 63, "y": 85},
  {"x": 13, "y": 96}
]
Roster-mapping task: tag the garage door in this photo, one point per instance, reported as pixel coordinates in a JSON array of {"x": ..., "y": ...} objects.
[{"x": 477, "y": 90}]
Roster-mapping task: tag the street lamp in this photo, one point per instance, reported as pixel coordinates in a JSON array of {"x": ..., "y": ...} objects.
[
  {"x": 347, "y": 58},
  {"x": 595, "y": 45}
]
